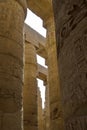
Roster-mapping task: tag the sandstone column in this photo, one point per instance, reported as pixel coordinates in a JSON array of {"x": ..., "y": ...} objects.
[
  {"x": 30, "y": 88},
  {"x": 71, "y": 35},
  {"x": 12, "y": 14},
  {"x": 47, "y": 107},
  {"x": 56, "y": 117},
  {"x": 40, "y": 111}
]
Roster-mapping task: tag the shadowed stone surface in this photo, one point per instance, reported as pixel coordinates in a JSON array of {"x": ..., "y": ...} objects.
[{"x": 71, "y": 35}]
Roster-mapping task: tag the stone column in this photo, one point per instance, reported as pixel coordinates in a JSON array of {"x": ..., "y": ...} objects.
[
  {"x": 71, "y": 35},
  {"x": 12, "y": 14},
  {"x": 56, "y": 115},
  {"x": 47, "y": 107},
  {"x": 40, "y": 111},
  {"x": 30, "y": 88}
]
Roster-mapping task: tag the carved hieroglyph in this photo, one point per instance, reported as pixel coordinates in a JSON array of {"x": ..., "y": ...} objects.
[{"x": 71, "y": 35}]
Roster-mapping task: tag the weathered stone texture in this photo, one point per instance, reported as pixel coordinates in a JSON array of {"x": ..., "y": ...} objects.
[
  {"x": 40, "y": 111},
  {"x": 55, "y": 119},
  {"x": 71, "y": 34},
  {"x": 30, "y": 88},
  {"x": 34, "y": 43},
  {"x": 47, "y": 108},
  {"x": 11, "y": 64}
]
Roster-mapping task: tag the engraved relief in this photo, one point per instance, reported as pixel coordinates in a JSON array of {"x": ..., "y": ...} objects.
[
  {"x": 75, "y": 83},
  {"x": 54, "y": 114},
  {"x": 74, "y": 17},
  {"x": 77, "y": 123},
  {"x": 72, "y": 48},
  {"x": 56, "y": 111}
]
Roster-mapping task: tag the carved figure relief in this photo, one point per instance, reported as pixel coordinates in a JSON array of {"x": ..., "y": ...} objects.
[{"x": 73, "y": 18}]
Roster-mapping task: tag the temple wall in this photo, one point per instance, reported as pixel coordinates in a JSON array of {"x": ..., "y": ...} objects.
[{"x": 71, "y": 36}]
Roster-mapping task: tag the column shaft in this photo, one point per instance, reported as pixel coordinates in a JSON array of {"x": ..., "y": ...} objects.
[
  {"x": 71, "y": 35},
  {"x": 30, "y": 88},
  {"x": 40, "y": 111},
  {"x": 47, "y": 108},
  {"x": 56, "y": 114},
  {"x": 11, "y": 64}
]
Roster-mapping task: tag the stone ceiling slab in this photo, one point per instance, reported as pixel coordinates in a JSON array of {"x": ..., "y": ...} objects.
[{"x": 42, "y": 8}]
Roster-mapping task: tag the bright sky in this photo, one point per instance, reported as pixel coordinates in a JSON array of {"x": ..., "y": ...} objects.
[
  {"x": 37, "y": 24},
  {"x": 42, "y": 89}
]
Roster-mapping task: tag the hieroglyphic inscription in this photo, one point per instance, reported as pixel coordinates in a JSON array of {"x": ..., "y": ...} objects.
[
  {"x": 81, "y": 60},
  {"x": 75, "y": 82},
  {"x": 75, "y": 16},
  {"x": 80, "y": 52},
  {"x": 72, "y": 45},
  {"x": 54, "y": 113},
  {"x": 79, "y": 123}
]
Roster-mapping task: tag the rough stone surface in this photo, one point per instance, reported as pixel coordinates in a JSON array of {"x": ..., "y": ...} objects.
[
  {"x": 47, "y": 108},
  {"x": 37, "y": 43},
  {"x": 71, "y": 35},
  {"x": 54, "y": 109},
  {"x": 40, "y": 111},
  {"x": 30, "y": 88},
  {"x": 11, "y": 64}
]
